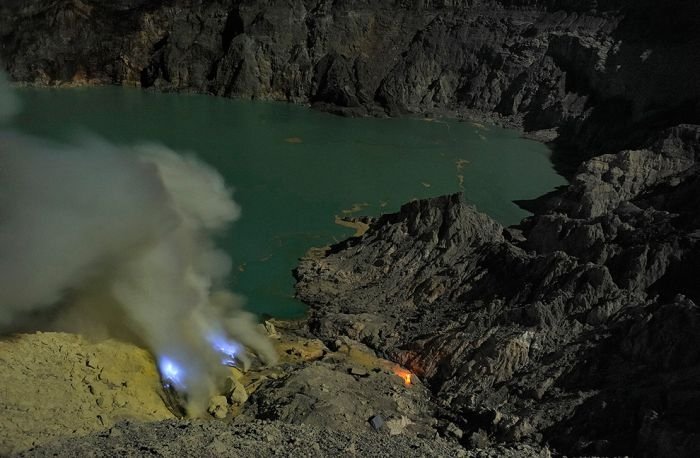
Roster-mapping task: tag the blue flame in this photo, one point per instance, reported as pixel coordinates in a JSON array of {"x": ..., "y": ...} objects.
[
  {"x": 171, "y": 372},
  {"x": 228, "y": 348}
]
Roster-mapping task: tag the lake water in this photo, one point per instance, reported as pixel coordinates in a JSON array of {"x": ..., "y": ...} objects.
[{"x": 294, "y": 170}]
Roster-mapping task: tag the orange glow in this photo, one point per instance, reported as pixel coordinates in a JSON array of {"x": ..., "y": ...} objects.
[{"x": 404, "y": 374}]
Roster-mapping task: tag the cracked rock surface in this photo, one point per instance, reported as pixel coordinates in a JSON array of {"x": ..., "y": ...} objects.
[
  {"x": 577, "y": 329},
  {"x": 575, "y": 333},
  {"x": 54, "y": 384}
]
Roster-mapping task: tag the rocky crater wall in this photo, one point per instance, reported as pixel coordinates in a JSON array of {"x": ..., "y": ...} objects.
[
  {"x": 601, "y": 72},
  {"x": 579, "y": 327}
]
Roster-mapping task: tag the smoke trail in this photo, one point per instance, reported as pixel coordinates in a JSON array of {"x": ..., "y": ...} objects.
[{"x": 123, "y": 232}]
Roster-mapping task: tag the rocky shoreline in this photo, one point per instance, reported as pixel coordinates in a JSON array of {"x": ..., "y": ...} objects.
[
  {"x": 578, "y": 328},
  {"x": 555, "y": 333},
  {"x": 599, "y": 72}
]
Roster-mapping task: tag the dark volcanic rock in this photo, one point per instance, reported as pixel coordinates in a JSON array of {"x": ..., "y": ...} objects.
[
  {"x": 340, "y": 392},
  {"x": 408, "y": 258},
  {"x": 554, "y": 338},
  {"x": 578, "y": 328},
  {"x": 260, "y": 439},
  {"x": 601, "y": 72},
  {"x": 604, "y": 182}
]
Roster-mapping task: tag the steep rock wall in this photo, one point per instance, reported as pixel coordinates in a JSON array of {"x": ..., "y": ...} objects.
[{"x": 603, "y": 73}]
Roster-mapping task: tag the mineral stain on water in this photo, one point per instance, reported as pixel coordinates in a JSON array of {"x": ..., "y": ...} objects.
[{"x": 296, "y": 171}]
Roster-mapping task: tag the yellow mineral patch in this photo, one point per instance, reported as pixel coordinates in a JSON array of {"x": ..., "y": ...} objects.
[
  {"x": 436, "y": 121},
  {"x": 359, "y": 226},
  {"x": 55, "y": 385},
  {"x": 356, "y": 355},
  {"x": 291, "y": 349},
  {"x": 364, "y": 358},
  {"x": 355, "y": 208},
  {"x": 316, "y": 252},
  {"x": 296, "y": 350},
  {"x": 478, "y": 125}
]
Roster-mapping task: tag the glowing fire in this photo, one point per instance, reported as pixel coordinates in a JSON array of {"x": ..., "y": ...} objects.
[{"x": 404, "y": 374}]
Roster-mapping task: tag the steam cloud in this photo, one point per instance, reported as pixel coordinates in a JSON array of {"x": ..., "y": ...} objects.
[{"x": 102, "y": 235}]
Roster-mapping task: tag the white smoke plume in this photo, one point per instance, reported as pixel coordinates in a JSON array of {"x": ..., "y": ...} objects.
[{"x": 97, "y": 235}]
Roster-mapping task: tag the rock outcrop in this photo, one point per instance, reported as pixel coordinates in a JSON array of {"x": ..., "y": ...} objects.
[
  {"x": 574, "y": 329},
  {"x": 600, "y": 72},
  {"x": 579, "y": 328},
  {"x": 63, "y": 395}
]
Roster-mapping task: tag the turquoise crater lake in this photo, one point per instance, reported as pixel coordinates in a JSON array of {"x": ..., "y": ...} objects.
[{"x": 294, "y": 169}]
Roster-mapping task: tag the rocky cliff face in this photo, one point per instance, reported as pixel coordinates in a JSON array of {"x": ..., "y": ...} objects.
[
  {"x": 598, "y": 72},
  {"x": 579, "y": 328},
  {"x": 576, "y": 332}
]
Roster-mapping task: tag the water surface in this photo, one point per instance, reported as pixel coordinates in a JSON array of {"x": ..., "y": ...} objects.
[{"x": 294, "y": 170}]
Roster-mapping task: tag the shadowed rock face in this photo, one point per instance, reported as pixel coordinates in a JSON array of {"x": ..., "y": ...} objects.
[
  {"x": 600, "y": 71},
  {"x": 579, "y": 328},
  {"x": 580, "y": 332}
]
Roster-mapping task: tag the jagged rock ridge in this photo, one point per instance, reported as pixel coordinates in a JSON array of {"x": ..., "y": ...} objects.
[
  {"x": 575, "y": 329},
  {"x": 578, "y": 328}
]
